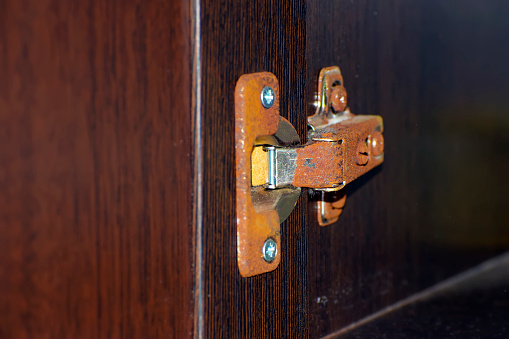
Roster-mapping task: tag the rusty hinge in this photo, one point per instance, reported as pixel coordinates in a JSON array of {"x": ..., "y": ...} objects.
[{"x": 272, "y": 164}]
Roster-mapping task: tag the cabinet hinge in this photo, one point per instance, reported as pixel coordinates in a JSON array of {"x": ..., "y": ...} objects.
[{"x": 272, "y": 165}]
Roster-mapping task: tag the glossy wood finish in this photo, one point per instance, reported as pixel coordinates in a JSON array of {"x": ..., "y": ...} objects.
[
  {"x": 95, "y": 169},
  {"x": 241, "y": 37},
  {"x": 96, "y": 147},
  {"x": 407, "y": 225},
  {"x": 472, "y": 305},
  {"x": 436, "y": 72}
]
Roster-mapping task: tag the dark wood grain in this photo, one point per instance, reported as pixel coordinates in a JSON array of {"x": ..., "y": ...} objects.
[
  {"x": 474, "y": 304},
  {"x": 241, "y": 37},
  {"x": 95, "y": 169},
  {"x": 411, "y": 223},
  {"x": 436, "y": 72},
  {"x": 96, "y": 149}
]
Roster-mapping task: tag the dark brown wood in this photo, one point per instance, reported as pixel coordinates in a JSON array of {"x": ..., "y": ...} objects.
[
  {"x": 96, "y": 162},
  {"x": 436, "y": 72},
  {"x": 407, "y": 225},
  {"x": 474, "y": 304},
  {"x": 241, "y": 37},
  {"x": 95, "y": 169}
]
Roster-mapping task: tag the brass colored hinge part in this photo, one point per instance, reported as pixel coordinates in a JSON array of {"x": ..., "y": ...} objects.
[{"x": 272, "y": 165}]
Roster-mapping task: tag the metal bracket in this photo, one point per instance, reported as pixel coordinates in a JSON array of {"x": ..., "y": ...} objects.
[{"x": 272, "y": 165}]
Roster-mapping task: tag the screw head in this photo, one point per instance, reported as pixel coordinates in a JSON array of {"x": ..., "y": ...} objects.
[
  {"x": 269, "y": 250},
  {"x": 377, "y": 142},
  {"x": 338, "y": 99},
  {"x": 268, "y": 97}
]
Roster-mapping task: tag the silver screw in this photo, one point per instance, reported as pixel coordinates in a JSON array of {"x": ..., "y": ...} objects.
[
  {"x": 268, "y": 97},
  {"x": 269, "y": 250}
]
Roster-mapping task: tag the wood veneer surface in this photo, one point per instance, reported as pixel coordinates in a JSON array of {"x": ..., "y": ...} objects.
[{"x": 95, "y": 169}]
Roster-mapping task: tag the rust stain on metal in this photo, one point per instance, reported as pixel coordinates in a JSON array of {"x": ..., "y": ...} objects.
[
  {"x": 330, "y": 206},
  {"x": 377, "y": 142},
  {"x": 362, "y": 153},
  {"x": 252, "y": 120},
  {"x": 340, "y": 153},
  {"x": 341, "y": 148},
  {"x": 355, "y": 132},
  {"x": 331, "y": 96},
  {"x": 338, "y": 98},
  {"x": 360, "y": 138},
  {"x": 318, "y": 165}
]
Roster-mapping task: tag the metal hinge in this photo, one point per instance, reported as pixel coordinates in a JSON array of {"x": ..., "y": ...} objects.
[{"x": 272, "y": 164}]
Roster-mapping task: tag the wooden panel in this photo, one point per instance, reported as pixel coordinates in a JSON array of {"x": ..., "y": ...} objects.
[
  {"x": 244, "y": 37},
  {"x": 472, "y": 304},
  {"x": 95, "y": 163},
  {"x": 437, "y": 73}
]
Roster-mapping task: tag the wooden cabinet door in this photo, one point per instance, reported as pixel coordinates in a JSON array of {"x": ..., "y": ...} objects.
[
  {"x": 117, "y": 162},
  {"x": 95, "y": 169},
  {"x": 433, "y": 209}
]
